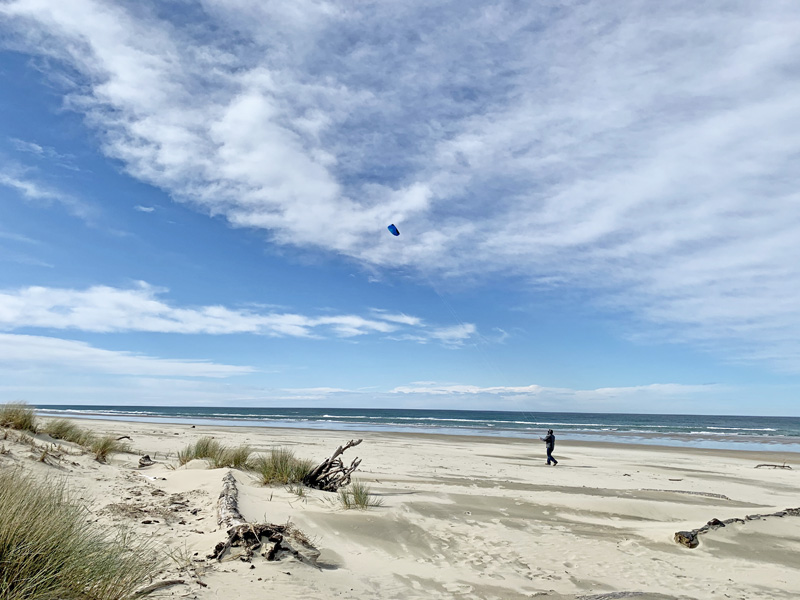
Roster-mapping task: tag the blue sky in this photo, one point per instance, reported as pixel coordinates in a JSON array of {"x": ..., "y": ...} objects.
[{"x": 598, "y": 204}]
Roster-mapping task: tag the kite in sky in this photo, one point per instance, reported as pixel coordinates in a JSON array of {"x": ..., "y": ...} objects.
[{"x": 393, "y": 229}]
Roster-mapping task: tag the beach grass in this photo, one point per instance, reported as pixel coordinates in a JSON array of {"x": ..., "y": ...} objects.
[
  {"x": 18, "y": 415},
  {"x": 281, "y": 466},
  {"x": 49, "y": 551},
  {"x": 216, "y": 454},
  {"x": 235, "y": 458},
  {"x": 358, "y": 495},
  {"x": 104, "y": 446},
  {"x": 64, "y": 429},
  {"x": 206, "y": 448}
]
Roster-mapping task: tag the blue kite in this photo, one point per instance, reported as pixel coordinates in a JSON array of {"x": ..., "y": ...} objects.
[{"x": 393, "y": 229}]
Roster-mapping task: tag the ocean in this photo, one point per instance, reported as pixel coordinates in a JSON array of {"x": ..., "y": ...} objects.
[{"x": 698, "y": 431}]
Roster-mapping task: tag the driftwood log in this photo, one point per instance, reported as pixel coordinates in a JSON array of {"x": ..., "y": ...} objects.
[
  {"x": 331, "y": 474},
  {"x": 783, "y": 466},
  {"x": 284, "y": 539},
  {"x": 690, "y": 538}
]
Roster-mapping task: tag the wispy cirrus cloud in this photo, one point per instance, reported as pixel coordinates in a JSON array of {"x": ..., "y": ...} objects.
[
  {"x": 106, "y": 309},
  {"x": 20, "y": 180},
  {"x": 645, "y": 153},
  {"x": 44, "y": 152}
]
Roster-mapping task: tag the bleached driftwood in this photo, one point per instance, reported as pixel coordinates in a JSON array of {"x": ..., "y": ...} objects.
[
  {"x": 241, "y": 533},
  {"x": 331, "y": 474}
]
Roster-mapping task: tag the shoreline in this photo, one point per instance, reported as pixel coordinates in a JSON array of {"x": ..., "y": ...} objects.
[
  {"x": 636, "y": 439},
  {"x": 463, "y": 517}
]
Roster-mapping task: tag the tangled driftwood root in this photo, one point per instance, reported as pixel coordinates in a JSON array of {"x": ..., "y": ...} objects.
[
  {"x": 690, "y": 538},
  {"x": 284, "y": 539},
  {"x": 331, "y": 474}
]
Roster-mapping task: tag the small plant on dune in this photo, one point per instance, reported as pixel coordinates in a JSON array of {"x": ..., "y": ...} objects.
[
  {"x": 206, "y": 447},
  {"x": 281, "y": 466},
  {"x": 27, "y": 439},
  {"x": 18, "y": 415},
  {"x": 49, "y": 551},
  {"x": 358, "y": 495},
  {"x": 298, "y": 489},
  {"x": 236, "y": 458},
  {"x": 103, "y": 447},
  {"x": 64, "y": 429},
  {"x": 185, "y": 455}
]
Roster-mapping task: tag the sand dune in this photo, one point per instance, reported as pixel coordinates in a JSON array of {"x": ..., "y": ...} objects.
[{"x": 462, "y": 517}]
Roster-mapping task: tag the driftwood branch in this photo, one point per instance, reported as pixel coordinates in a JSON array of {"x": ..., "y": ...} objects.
[
  {"x": 690, "y": 539},
  {"x": 331, "y": 474},
  {"x": 783, "y": 466},
  {"x": 241, "y": 533}
]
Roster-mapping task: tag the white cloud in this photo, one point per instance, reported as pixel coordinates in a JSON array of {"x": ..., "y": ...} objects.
[
  {"x": 526, "y": 398},
  {"x": 44, "y": 152},
  {"x": 33, "y": 352},
  {"x": 30, "y": 147},
  {"x": 144, "y": 209},
  {"x": 106, "y": 309},
  {"x": 17, "y": 179},
  {"x": 17, "y": 237},
  {"x": 643, "y": 152}
]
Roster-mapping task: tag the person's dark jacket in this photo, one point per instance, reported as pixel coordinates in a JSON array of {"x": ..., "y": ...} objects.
[{"x": 550, "y": 440}]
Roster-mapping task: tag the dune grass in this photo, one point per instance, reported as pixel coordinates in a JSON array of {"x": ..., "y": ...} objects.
[
  {"x": 358, "y": 495},
  {"x": 235, "y": 458},
  {"x": 18, "y": 415},
  {"x": 50, "y": 552},
  {"x": 281, "y": 466},
  {"x": 217, "y": 455},
  {"x": 64, "y": 429},
  {"x": 104, "y": 446},
  {"x": 206, "y": 447}
]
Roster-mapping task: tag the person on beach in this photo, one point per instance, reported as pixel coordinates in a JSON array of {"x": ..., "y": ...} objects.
[{"x": 550, "y": 441}]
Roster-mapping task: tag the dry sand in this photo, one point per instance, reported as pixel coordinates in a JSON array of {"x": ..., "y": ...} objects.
[{"x": 462, "y": 517}]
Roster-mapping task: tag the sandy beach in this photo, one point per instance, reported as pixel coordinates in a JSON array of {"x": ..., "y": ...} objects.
[{"x": 462, "y": 517}]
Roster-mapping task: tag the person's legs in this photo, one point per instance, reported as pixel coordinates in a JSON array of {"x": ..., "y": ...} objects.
[{"x": 550, "y": 456}]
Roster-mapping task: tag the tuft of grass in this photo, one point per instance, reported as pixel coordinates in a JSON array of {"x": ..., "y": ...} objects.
[
  {"x": 18, "y": 415},
  {"x": 49, "y": 551},
  {"x": 298, "y": 489},
  {"x": 64, "y": 429},
  {"x": 281, "y": 466},
  {"x": 103, "y": 447},
  {"x": 236, "y": 458},
  {"x": 358, "y": 495},
  {"x": 185, "y": 455},
  {"x": 205, "y": 447},
  {"x": 217, "y": 455}
]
